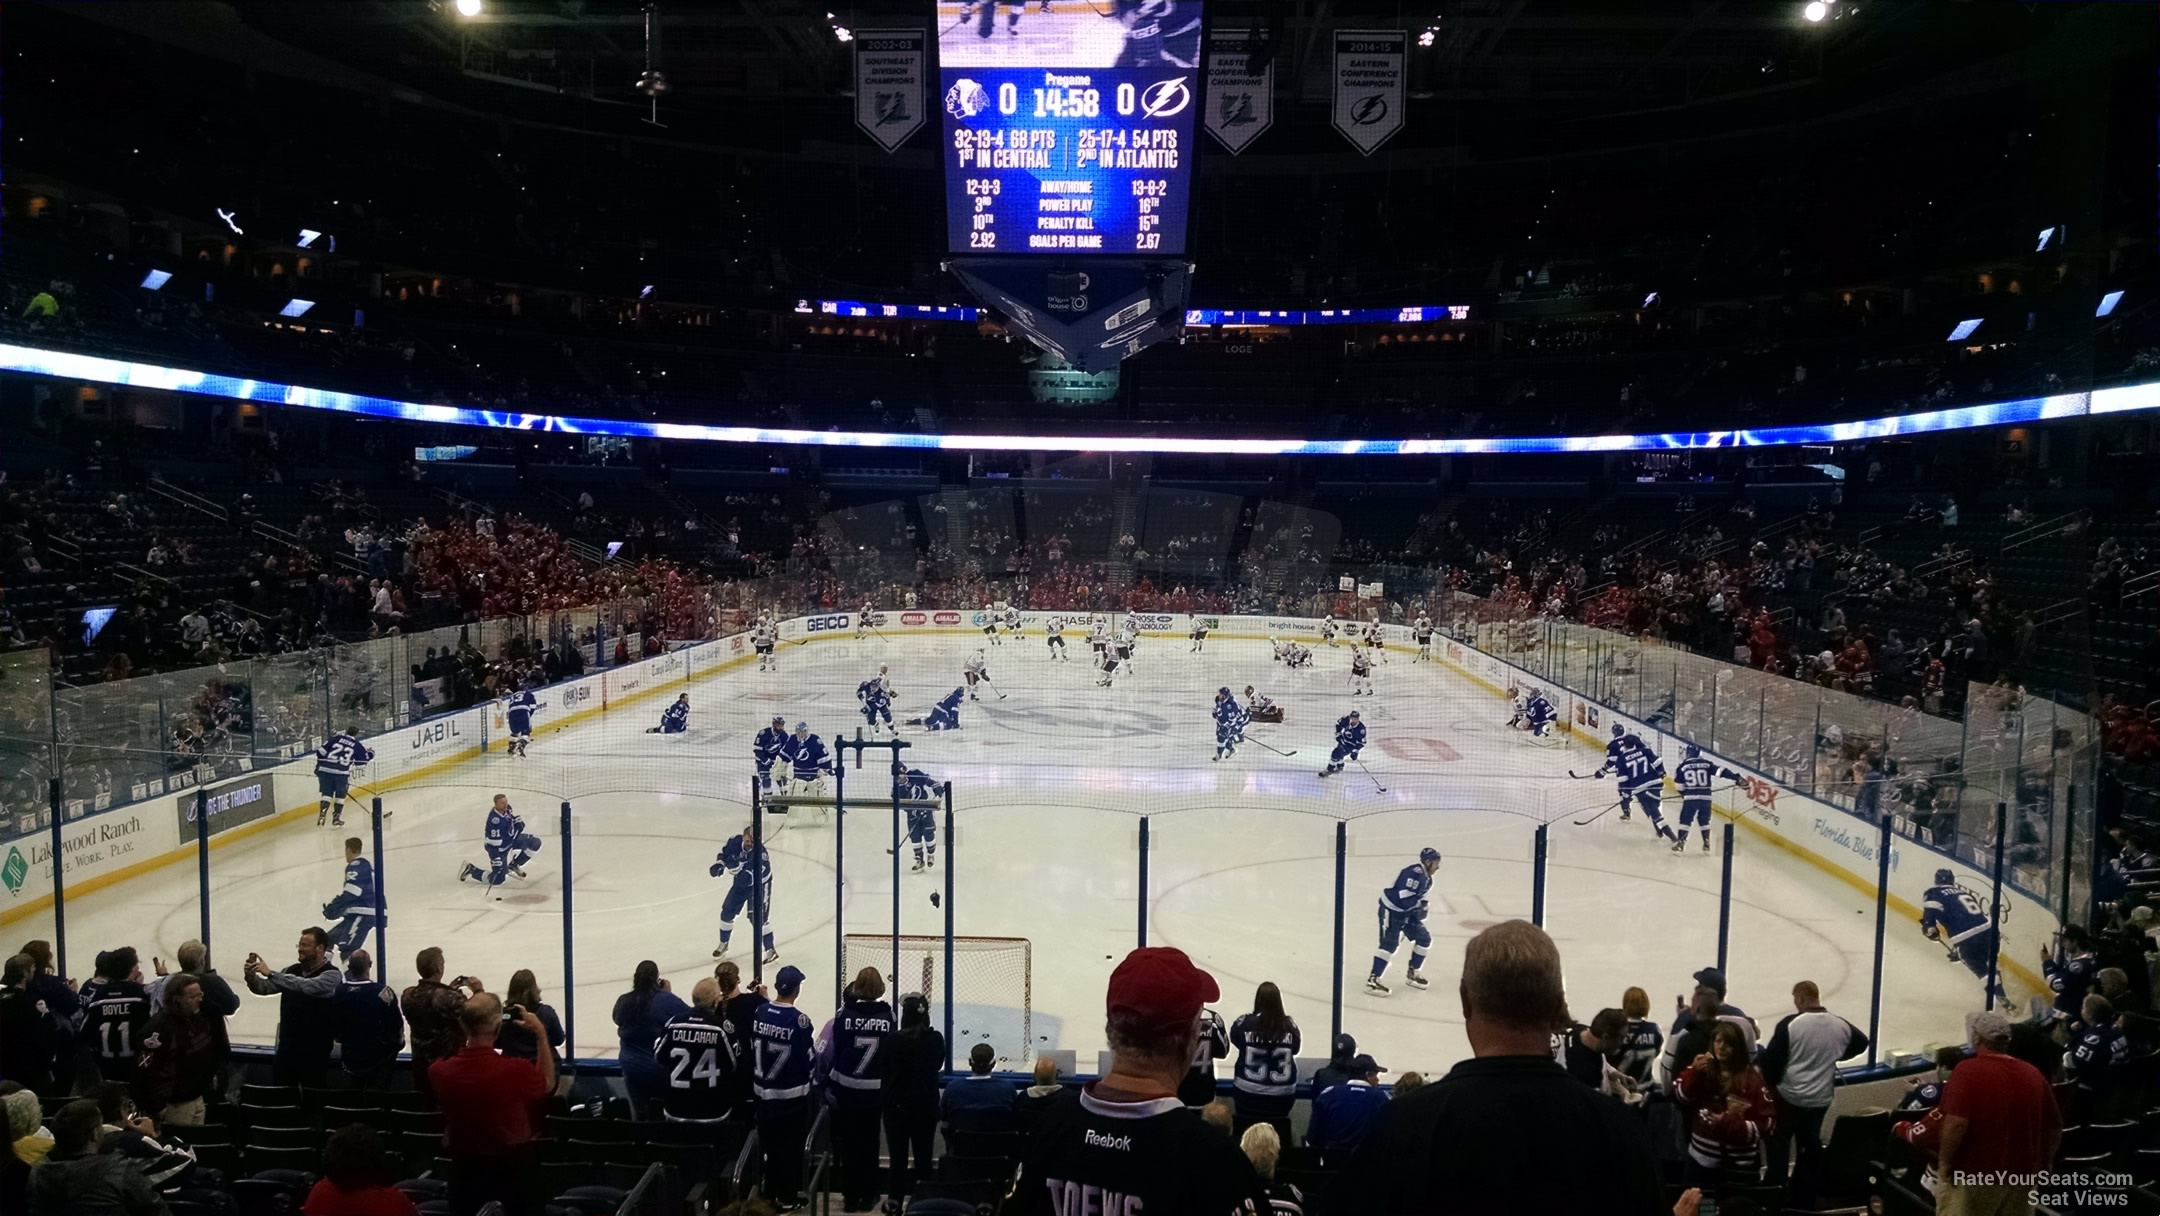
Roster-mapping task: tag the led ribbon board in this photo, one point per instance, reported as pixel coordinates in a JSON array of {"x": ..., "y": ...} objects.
[{"x": 95, "y": 370}]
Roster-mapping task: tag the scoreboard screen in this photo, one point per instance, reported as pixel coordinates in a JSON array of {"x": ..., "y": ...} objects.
[{"x": 1068, "y": 124}]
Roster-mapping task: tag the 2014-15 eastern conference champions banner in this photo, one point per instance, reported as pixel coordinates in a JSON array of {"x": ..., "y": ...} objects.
[{"x": 1370, "y": 90}]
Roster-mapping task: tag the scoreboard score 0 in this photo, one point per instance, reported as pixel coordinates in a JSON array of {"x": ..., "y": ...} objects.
[{"x": 1068, "y": 124}]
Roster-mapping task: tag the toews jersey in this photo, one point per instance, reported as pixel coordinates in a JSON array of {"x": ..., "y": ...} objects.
[
  {"x": 698, "y": 1055},
  {"x": 1153, "y": 1158}
]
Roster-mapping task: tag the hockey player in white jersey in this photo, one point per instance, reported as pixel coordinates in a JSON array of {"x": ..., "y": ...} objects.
[
  {"x": 1054, "y": 638},
  {"x": 1360, "y": 673},
  {"x": 764, "y": 639},
  {"x": 1328, "y": 630},
  {"x": 1108, "y": 668},
  {"x": 1402, "y": 914},
  {"x": 977, "y": 671},
  {"x": 1296, "y": 655},
  {"x": 1199, "y": 634},
  {"x": 1099, "y": 639},
  {"x": 863, "y": 620},
  {"x": 1421, "y": 632},
  {"x": 1009, "y": 619},
  {"x": 1373, "y": 642},
  {"x": 991, "y": 615}
]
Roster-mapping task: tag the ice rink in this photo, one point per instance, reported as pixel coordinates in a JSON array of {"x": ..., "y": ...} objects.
[{"x": 1051, "y": 784}]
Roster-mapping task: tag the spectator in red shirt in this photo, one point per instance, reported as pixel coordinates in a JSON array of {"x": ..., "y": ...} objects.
[
  {"x": 357, "y": 1178},
  {"x": 487, "y": 1102},
  {"x": 1999, "y": 1119}
]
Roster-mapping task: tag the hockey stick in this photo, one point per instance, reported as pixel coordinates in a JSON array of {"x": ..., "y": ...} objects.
[
  {"x": 1601, "y": 814},
  {"x": 1584, "y": 776},
  {"x": 1368, "y": 772},
  {"x": 993, "y": 687},
  {"x": 1257, "y": 743}
]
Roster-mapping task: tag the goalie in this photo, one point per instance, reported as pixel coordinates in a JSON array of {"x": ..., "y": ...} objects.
[
  {"x": 1533, "y": 713},
  {"x": 1261, "y": 709}
]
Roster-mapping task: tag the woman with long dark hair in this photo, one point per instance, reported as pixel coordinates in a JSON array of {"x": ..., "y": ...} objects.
[
  {"x": 913, "y": 1060},
  {"x": 515, "y": 1040},
  {"x": 640, "y": 1015},
  {"x": 1729, "y": 1113},
  {"x": 1265, "y": 1043}
]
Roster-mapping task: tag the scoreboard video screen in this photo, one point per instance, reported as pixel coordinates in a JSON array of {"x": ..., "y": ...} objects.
[{"x": 1068, "y": 124}]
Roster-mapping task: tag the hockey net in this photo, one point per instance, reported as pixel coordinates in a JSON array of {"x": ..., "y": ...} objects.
[{"x": 993, "y": 987}]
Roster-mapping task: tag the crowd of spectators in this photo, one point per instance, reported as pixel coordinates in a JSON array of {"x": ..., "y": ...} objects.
[{"x": 1718, "y": 1104}]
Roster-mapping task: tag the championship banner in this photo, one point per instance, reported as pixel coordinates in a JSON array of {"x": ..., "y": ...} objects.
[
  {"x": 1241, "y": 102},
  {"x": 890, "y": 66},
  {"x": 1345, "y": 582},
  {"x": 1369, "y": 90}
]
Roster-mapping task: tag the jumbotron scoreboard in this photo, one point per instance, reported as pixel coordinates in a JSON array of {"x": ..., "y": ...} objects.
[{"x": 1069, "y": 125}]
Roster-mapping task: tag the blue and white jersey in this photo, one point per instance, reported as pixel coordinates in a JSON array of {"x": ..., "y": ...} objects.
[
  {"x": 1955, "y": 910},
  {"x": 338, "y": 754},
  {"x": 1350, "y": 733},
  {"x": 1696, "y": 776},
  {"x": 1409, "y": 890},
  {"x": 675, "y": 719},
  {"x": 872, "y": 693},
  {"x": 518, "y": 708},
  {"x": 1636, "y": 763},
  {"x": 951, "y": 702},
  {"x": 357, "y": 896},
  {"x": 807, "y": 756},
  {"x": 915, "y": 783},
  {"x": 1230, "y": 717},
  {"x": 1540, "y": 711},
  {"x": 856, "y": 1056},
  {"x": 504, "y": 830},
  {"x": 768, "y": 746},
  {"x": 783, "y": 1045},
  {"x": 746, "y": 865},
  {"x": 2070, "y": 978},
  {"x": 1266, "y": 1063}
]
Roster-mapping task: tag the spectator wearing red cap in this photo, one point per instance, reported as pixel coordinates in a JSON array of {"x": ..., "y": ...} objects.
[
  {"x": 1126, "y": 1142},
  {"x": 1510, "y": 1130}
]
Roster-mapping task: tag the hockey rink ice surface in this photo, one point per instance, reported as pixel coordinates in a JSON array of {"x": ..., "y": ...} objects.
[{"x": 1051, "y": 784}]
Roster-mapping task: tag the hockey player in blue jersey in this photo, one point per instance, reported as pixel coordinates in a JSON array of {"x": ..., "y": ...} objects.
[
  {"x": 1402, "y": 914},
  {"x": 675, "y": 719},
  {"x": 876, "y": 701},
  {"x": 946, "y": 715},
  {"x": 749, "y": 867},
  {"x": 1230, "y": 720},
  {"x": 807, "y": 759},
  {"x": 509, "y": 847},
  {"x": 1642, "y": 777},
  {"x": 353, "y": 907},
  {"x": 1535, "y": 714},
  {"x": 2070, "y": 975},
  {"x": 1953, "y": 916},
  {"x": 915, "y": 785},
  {"x": 1695, "y": 776},
  {"x": 766, "y": 748},
  {"x": 334, "y": 763},
  {"x": 518, "y": 710},
  {"x": 1349, "y": 741}
]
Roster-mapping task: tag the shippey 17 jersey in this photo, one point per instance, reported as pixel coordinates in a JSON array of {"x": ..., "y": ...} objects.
[
  {"x": 338, "y": 754},
  {"x": 1636, "y": 763},
  {"x": 782, "y": 1046},
  {"x": 1955, "y": 910}
]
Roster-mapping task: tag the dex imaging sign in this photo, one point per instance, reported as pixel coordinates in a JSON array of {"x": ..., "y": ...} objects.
[{"x": 227, "y": 806}]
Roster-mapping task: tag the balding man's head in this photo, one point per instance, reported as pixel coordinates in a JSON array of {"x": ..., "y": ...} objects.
[
  {"x": 1511, "y": 981},
  {"x": 706, "y": 995}
]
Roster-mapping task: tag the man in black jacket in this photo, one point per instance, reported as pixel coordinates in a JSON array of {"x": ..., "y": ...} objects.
[
  {"x": 369, "y": 1028},
  {"x": 307, "y": 1008},
  {"x": 1508, "y": 1131}
]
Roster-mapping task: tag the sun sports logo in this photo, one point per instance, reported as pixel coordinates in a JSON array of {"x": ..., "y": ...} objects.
[
  {"x": 824, "y": 624},
  {"x": 913, "y": 618},
  {"x": 946, "y": 618},
  {"x": 578, "y": 695}
]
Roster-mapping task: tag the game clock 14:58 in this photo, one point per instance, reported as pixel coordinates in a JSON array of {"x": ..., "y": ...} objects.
[{"x": 1069, "y": 124}]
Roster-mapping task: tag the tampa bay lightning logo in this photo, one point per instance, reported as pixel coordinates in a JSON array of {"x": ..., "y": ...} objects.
[
  {"x": 966, "y": 99},
  {"x": 1166, "y": 98},
  {"x": 1369, "y": 110}
]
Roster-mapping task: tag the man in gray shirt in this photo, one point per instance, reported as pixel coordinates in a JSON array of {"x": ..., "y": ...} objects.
[
  {"x": 307, "y": 1008},
  {"x": 1801, "y": 1063}
]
